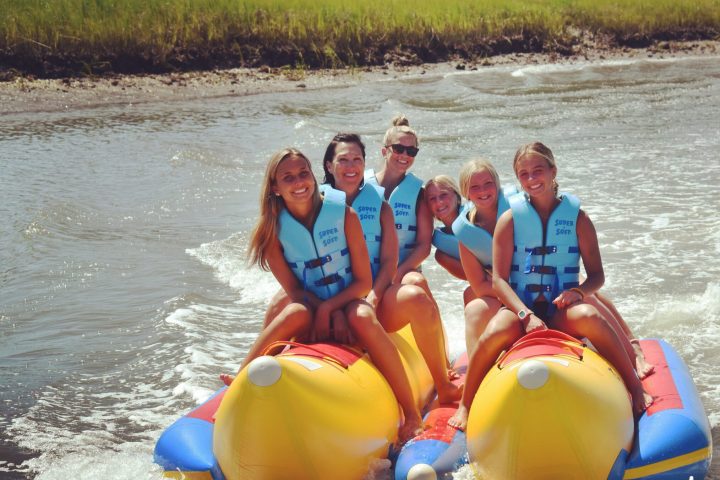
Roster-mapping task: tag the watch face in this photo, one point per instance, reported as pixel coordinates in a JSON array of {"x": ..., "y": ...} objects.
[{"x": 522, "y": 314}]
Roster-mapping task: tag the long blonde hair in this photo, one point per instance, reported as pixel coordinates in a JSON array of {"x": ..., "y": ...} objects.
[
  {"x": 536, "y": 148},
  {"x": 267, "y": 227},
  {"x": 472, "y": 167},
  {"x": 400, "y": 125},
  {"x": 466, "y": 173}
]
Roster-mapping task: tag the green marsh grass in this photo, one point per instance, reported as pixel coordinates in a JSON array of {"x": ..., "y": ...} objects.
[{"x": 168, "y": 34}]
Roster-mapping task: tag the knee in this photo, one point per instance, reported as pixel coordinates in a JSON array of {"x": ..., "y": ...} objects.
[
  {"x": 500, "y": 334},
  {"x": 415, "y": 278},
  {"x": 361, "y": 316},
  {"x": 413, "y": 296},
  {"x": 586, "y": 320},
  {"x": 298, "y": 315}
]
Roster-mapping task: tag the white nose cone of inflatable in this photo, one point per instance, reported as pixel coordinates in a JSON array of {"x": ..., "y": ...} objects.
[
  {"x": 422, "y": 471},
  {"x": 264, "y": 371},
  {"x": 533, "y": 374}
]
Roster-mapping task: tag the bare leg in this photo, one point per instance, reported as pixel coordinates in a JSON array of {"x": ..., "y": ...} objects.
[
  {"x": 418, "y": 279},
  {"x": 384, "y": 354},
  {"x": 478, "y": 313},
  {"x": 279, "y": 301},
  {"x": 403, "y": 304},
  {"x": 293, "y": 320},
  {"x": 468, "y": 295},
  {"x": 503, "y": 329},
  {"x": 583, "y": 320},
  {"x": 641, "y": 365}
]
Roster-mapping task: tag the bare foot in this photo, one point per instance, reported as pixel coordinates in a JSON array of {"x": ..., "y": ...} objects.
[
  {"x": 641, "y": 401},
  {"x": 459, "y": 419},
  {"x": 410, "y": 429},
  {"x": 449, "y": 393},
  {"x": 644, "y": 369},
  {"x": 641, "y": 365},
  {"x": 226, "y": 378},
  {"x": 452, "y": 374}
]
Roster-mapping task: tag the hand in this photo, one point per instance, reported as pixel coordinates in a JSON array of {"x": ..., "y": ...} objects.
[
  {"x": 567, "y": 298},
  {"x": 321, "y": 324},
  {"x": 340, "y": 331},
  {"x": 534, "y": 323}
]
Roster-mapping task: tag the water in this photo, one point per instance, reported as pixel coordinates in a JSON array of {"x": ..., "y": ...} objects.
[{"x": 123, "y": 286}]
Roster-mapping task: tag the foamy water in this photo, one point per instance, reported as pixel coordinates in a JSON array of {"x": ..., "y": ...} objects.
[{"x": 124, "y": 289}]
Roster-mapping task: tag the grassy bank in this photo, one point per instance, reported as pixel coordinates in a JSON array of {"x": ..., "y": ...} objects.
[{"x": 70, "y": 37}]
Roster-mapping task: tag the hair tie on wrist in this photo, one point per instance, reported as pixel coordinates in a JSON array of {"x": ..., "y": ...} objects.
[{"x": 576, "y": 289}]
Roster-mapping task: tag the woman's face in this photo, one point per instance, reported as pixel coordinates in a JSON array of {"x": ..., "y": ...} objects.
[
  {"x": 396, "y": 153},
  {"x": 535, "y": 175},
  {"x": 347, "y": 166},
  {"x": 294, "y": 181},
  {"x": 482, "y": 190},
  {"x": 442, "y": 201}
]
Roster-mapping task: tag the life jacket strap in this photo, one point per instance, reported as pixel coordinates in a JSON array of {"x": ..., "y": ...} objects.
[
  {"x": 411, "y": 228},
  {"x": 320, "y": 261},
  {"x": 537, "y": 287},
  {"x": 330, "y": 279}
]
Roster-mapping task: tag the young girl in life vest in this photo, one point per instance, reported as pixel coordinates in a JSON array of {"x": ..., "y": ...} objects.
[
  {"x": 396, "y": 304},
  {"x": 474, "y": 228},
  {"x": 537, "y": 249},
  {"x": 445, "y": 202},
  {"x": 314, "y": 247}
]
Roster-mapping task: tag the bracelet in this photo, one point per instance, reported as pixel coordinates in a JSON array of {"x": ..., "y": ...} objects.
[{"x": 577, "y": 290}]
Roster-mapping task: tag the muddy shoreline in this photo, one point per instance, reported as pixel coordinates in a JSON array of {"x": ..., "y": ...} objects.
[{"x": 28, "y": 95}]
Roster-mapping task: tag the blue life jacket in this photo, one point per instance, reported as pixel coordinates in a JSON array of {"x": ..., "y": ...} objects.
[
  {"x": 403, "y": 201},
  {"x": 446, "y": 242},
  {"x": 367, "y": 205},
  {"x": 548, "y": 265},
  {"x": 477, "y": 239},
  {"x": 320, "y": 260}
]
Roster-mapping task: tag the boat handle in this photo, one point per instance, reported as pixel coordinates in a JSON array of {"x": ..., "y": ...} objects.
[
  {"x": 289, "y": 343},
  {"x": 572, "y": 349}
]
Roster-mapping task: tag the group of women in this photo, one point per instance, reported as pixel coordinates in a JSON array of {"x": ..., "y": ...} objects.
[{"x": 348, "y": 253}]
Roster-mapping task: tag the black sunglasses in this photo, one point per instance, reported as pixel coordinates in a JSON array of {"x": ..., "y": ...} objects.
[{"x": 399, "y": 149}]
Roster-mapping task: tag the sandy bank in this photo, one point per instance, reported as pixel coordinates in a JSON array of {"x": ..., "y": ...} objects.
[{"x": 24, "y": 95}]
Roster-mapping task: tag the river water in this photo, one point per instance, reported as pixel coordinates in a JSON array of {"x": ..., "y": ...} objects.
[{"x": 123, "y": 286}]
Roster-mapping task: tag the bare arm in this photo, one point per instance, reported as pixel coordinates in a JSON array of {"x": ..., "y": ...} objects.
[
  {"x": 479, "y": 280},
  {"x": 451, "y": 264},
  {"x": 423, "y": 238},
  {"x": 590, "y": 254},
  {"x": 388, "y": 255}
]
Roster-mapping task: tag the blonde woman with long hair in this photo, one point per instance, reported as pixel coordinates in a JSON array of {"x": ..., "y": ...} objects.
[{"x": 314, "y": 246}]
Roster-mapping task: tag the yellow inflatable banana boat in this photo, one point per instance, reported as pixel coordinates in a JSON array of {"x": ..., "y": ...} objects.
[
  {"x": 311, "y": 412},
  {"x": 550, "y": 408}
]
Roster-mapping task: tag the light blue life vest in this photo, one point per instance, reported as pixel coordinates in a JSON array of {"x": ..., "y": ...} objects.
[
  {"x": 446, "y": 242},
  {"x": 548, "y": 266},
  {"x": 403, "y": 201},
  {"x": 477, "y": 239},
  {"x": 367, "y": 205},
  {"x": 320, "y": 260}
]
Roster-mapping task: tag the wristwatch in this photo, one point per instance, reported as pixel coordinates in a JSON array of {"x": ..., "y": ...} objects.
[{"x": 523, "y": 314}]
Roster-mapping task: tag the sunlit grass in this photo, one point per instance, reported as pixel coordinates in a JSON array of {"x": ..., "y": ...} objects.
[{"x": 326, "y": 32}]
